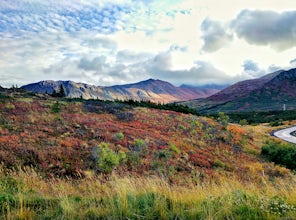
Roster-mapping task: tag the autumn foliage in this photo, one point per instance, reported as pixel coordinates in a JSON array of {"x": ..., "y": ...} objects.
[{"x": 111, "y": 137}]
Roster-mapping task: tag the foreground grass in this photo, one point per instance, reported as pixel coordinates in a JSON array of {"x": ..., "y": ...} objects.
[{"x": 26, "y": 195}]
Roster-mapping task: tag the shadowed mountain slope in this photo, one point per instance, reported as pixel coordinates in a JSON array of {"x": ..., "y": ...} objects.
[{"x": 269, "y": 92}]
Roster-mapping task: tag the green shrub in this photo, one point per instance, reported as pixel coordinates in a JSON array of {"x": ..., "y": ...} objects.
[
  {"x": 219, "y": 164},
  {"x": 3, "y": 98},
  {"x": 9, "y": 106},
  {"x": 106, "y": 159},
  {"x": 174, "y": 148},
  {"x": 223, "y": 119},
  {"x": 276, "y": 123},
  {"x": 133, "y": 159},
  {"x": 243, "y": 122},
  {"x": 162, "y": 155},
  {"x": 119, "y": 136},
  {"x": 56, "y": 108},
  {"x": 283, "y": 154},
  {"x": 139, "y": 146}
]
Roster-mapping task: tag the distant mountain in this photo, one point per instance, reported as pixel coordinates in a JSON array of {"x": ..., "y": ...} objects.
[
  {"x": 207, "y": 86},
  {"x": 269, "y": 92},
  {"x": 153, "y": 90}
]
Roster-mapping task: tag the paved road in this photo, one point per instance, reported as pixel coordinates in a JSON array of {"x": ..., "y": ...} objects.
[{"x": 285, "y": 134}]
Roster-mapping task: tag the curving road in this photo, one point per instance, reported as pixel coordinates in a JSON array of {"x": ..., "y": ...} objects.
[{"x": 285, "y": 134}]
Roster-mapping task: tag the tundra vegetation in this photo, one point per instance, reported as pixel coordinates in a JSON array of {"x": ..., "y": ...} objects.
[{"x": 76, "y": 159}]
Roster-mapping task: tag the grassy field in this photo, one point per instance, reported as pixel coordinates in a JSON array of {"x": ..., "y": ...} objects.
[{"x": 26, "y": 195}]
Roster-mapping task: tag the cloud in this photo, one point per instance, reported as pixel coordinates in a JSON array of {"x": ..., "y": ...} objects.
[
  {"x": 162, "y": 61},
  {"x": 130, "y": 57},
  {"x": 293, "y": 62},
  {"x": 215, "y": 35},
  {"x": 96, "y": 64},
  {"x": 53, "y": 16},
  {"x": 256, "y": 27},
  {"x": 252, "y": 69},
  {"x": 100, "y": 42},
  {"x": 250, "y": 66},
  {"x": 273, "y": 68},
  {"x": 201, "y": 72},
  {"x": 269, "y": 28}
]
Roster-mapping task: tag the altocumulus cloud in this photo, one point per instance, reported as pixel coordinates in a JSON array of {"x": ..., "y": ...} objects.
[
  {"x": 257, "y": 27},
  {"x": 77, "y": 40}
]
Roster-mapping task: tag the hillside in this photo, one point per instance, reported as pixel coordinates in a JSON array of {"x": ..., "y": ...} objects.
[
  {"x": 89, "y": 159},
  {"x": 154, "y": 141},
  {"x": 152, "y": 90},
  {"x": 267, "y": 93},
  {"x": 158, "y": 140}
]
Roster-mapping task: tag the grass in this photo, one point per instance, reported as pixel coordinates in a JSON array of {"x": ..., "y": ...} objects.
[{"x": 26, "y": 195}]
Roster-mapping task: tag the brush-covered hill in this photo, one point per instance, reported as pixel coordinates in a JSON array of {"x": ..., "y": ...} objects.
[
  {"x": 267, "y": 93},
  {"x": 152, "y": 90},
  {"x": 88, "y": 159},
  {"x": 63, "y": 137}
]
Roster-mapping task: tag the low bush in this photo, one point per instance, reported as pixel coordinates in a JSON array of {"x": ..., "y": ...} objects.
[
  {"x": 283, "y": 154},
  {"x": 106, "y": 159},
  {"x": 56, "y": 108}
]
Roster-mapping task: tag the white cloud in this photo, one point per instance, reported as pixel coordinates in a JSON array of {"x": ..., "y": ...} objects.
[
  {"x": 252, "y": 68},
  {"x": 96, "y": 64},
  {"x": 276, "y": 30},
  {"x": 268, "y": 28},
  {"x": 293, "y": 62},
  {"x": 128, "y": 57},
  {"x": 215, "y": 35}
]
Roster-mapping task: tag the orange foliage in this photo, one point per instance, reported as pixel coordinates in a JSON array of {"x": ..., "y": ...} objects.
[{"x": 237, "y": 133}]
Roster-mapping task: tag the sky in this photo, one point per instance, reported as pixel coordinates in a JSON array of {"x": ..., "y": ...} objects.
[{"x": 103, "y": 42}]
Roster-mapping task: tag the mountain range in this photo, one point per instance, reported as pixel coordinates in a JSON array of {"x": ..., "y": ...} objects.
[
  {"x": 151, "y": 89},
  {"x": 270, "y": 92}
]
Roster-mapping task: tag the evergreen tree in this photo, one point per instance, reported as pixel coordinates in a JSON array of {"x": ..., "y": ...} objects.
[
  {"x": 54, "y": 93},
  {"x": 62, "y": 92}
]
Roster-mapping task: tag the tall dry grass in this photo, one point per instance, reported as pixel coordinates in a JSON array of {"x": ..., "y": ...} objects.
[{"x": 26, "y": 195}]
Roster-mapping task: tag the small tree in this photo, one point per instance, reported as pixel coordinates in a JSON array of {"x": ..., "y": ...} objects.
[
  {"x": 106, "y": 159},
  {"x": 62, "y": 92},
  {"x": 223, "y": 119}
]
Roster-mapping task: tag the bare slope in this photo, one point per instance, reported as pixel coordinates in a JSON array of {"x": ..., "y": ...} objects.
[{"x": 153, "y": 90}]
